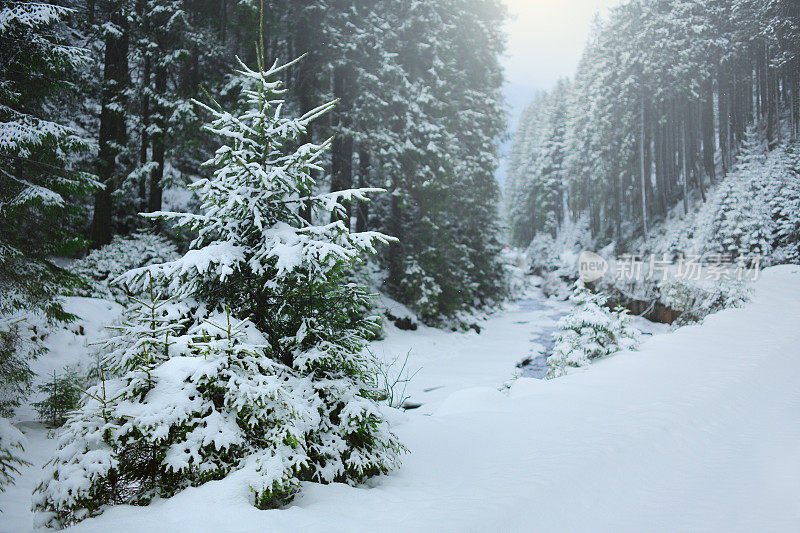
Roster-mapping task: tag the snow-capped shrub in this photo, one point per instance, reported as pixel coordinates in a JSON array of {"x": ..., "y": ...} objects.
[
  {"x": 11, "y": 447},
  {"x": 550, "y": 254},
  {"x": 590, "y": 332},
  {"x": 542, "y": 254},
  {"x": 419, "y": 287},
  {"x": 695, "y": 302},
  {"x": 17, "y": 349},
  {"x": 290, "y": 390},
  {"x": 102, "y": 266}
]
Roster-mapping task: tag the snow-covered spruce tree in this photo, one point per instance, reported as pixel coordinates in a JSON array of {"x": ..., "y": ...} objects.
[
  {"x": 784, "y": 198},
  {"x": 590, "y": 332},
  {"x": 16, "y": 377},
  {"x": 11, "y": 449},
  {"x": 288, "y": 392},
  {"x": 742, "y": 224},
  {"x": 38, "y": 184},
  {"x": 62, "y": 394},
  {"x": 258, "y": 255}
]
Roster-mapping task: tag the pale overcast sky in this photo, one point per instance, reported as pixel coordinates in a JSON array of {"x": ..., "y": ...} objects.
[
  {"x": 545, "y": 41},
  {"x": 546, "y": 38}
]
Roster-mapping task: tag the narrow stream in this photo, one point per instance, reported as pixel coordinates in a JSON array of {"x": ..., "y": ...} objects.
[{"x": 541, "y": 331}]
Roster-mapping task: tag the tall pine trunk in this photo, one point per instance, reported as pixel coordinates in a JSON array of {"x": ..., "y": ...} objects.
[
  {"x": 156, "y": 178},
  {"x": 684, "y": 157},
  {"x": 145, "y": 135},
  {"x": 643, "y": 174},
  {"x": 709, "y": 146},
  {"x": 362, "y": 208},
  {"x": 395, "y": 254},
  {"x": 113, "y": 131},
  {"x": 342, "y": 146},
  {"x": 723, "y": 113}
]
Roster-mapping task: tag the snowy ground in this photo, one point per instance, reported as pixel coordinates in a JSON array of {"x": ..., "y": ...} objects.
[
  {"x": 698, "y": 431},
  {"x": 447, "y": 362}
]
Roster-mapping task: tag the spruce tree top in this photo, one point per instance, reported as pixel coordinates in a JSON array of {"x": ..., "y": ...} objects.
[{"x": 258, "y": 209}]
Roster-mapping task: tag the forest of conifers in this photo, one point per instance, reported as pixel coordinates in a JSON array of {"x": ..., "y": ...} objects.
[
  {"x": 419, "y": 114},
  {"x": 656, "y": 114}
]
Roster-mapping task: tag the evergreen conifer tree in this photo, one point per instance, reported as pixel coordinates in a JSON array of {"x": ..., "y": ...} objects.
[
  {"x": 38, "y": 184},
  {"x": 288, "y": 391},
  {"x": 591, "y": 331},
  {"x": 37, "y": 180},
  {"x": 62, "y": 394}
]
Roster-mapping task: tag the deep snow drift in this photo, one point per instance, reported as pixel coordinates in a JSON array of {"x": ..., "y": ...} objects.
[{"x": 698, "y": 431}]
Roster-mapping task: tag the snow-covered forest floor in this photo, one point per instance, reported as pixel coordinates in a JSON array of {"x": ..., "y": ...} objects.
[{"x": 697, "y": 431}]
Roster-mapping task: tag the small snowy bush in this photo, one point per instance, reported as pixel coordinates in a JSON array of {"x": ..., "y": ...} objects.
[
  {"x": 590, "y": 332},
  {"x": 102, "y": 266},
  {"x": 17, "y": 349},
  {"x": 421, "y": 288},
  {"x": 694, "y": 302},
  {"x": 542, "y": 254}
]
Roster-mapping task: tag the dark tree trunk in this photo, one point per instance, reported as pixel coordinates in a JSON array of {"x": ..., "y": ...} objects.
[
  {"x": 156, "y": 178},
  {"x": 672, "y": 154},
  {"x": 763, "y": 84},
  {"x": 342, "y": 147},
  {"x": 648, "y": 160},
  {"x": 685, "y": 172},
  {"x": 736, "y": 112},
  {"x": 362, "y": 213},
  {"x": 113, "y": 132},
  {"x": 658, "y": 143},
  {"x": 723, "y": 111},
  {"x": 223, "y": 21},
  {"x": 793, "y": 81},
  {"x": 644, "y": 174},
  {"x": 395, "y": 249},
  {"x": 145, "y": 135},
  {"x": 773, "y": 126},
  {"x": 709, "y": 146}
]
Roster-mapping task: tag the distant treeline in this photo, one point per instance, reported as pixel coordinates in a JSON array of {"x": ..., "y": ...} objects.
[{"x": 658, "y": 109}]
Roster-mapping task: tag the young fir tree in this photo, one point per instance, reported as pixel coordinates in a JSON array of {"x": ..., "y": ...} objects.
[
  {"x": 590, "y": 332},
  {"x": 742, "y": 226},
  {"x": 288, "y": 391},
  {"x": 108, "y": 446},
  {"x": 62, "y": 394},
  {"x": 16, "y": 378}
]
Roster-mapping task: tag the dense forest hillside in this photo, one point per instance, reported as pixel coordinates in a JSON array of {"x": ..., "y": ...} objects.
[
  {"x": 98, "y": 125},
  {"x": 669, "y": 98}
]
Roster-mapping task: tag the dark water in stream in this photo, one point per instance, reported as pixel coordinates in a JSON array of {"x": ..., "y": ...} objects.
[{"x": 541, "y": 332}]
